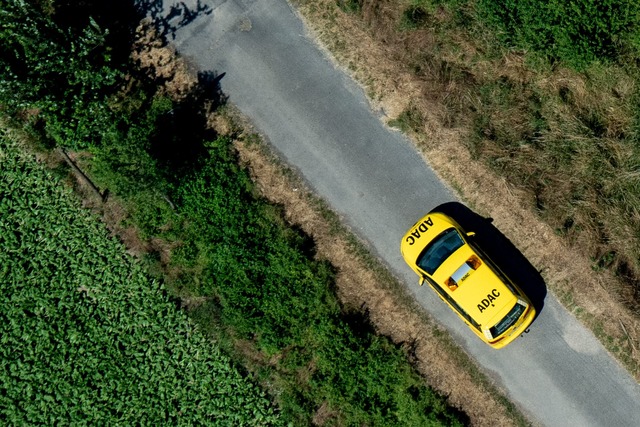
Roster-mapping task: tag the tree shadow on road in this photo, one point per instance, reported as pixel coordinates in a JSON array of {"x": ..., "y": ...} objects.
[
  {"x": 501, "y": 251},
  {"x": 169, "y": 20}
]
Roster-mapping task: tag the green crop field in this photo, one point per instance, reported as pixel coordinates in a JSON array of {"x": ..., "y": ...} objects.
[{"x": 86, "y": 336}]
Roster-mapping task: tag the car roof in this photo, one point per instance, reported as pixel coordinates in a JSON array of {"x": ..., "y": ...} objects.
[{"x": 481, "y": 294}]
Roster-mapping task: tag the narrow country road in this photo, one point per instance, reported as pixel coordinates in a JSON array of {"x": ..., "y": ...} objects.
[{"x": 320, "y": 122}]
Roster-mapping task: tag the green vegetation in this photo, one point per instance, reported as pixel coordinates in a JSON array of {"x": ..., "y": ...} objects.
[
  {"x": 63, "y": 73},
  {"x": 97, "y": 338},
  {"x": 350, "y": 6},
  {"x": 577, "y": 32},
  {"x": 87, "y": 336}
]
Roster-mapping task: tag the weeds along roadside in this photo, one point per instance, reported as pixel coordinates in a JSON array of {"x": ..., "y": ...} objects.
[{"x": 559, "y": 144}]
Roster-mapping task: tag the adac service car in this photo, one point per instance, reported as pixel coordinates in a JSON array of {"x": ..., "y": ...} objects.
[{"x": 447, "y": 257}]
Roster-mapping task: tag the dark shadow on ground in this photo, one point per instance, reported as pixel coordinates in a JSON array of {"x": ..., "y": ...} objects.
[
  {"x": 501, "y": 251},
  {"x": 179, "y": 142},
  {"x": 121, "y": 18}
]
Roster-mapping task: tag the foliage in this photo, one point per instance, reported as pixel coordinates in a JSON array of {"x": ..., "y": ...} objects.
[
  {"x": 123, "y": 153},
  {"x": 418, "y": 13},
  {"x": 577, "y": 32},
  {"x": 267, "y": 285},
  {"x": 414, "y": 16},
  {"x": 350, "y": 6},
  {"x": 62, "y": 76},
  {"x": 86, "y": 335},
  {"x": 369, "y": 380}
]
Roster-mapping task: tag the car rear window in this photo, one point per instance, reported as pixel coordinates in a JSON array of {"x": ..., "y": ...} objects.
[
  {"x": 508, "y": 320},
  {"x": 439, "y": 250}
]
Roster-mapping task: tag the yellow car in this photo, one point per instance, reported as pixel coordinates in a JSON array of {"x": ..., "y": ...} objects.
[{"x": 447, "y": 257}]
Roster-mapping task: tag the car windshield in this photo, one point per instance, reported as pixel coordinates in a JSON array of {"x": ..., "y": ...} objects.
[
  {"x": 508, "y": 320},
  {"x": 439, "y": 250}
]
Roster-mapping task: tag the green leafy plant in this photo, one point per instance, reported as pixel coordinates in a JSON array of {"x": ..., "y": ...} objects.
[
  {"x": 63, "y": 75},
  {"x": 577, "y": 32}
]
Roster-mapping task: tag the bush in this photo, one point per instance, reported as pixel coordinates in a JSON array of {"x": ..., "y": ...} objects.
[
  {"x": 64, "y": 75},
  {"x": 576, "y": 32}
]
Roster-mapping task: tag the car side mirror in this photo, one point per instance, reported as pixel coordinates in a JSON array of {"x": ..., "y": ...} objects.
[
  {"x": 421, "y": 280},
  {"x": 471, "y": 233}
]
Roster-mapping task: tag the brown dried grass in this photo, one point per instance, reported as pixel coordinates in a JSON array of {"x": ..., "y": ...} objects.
[{"x": 161, "y": 63}]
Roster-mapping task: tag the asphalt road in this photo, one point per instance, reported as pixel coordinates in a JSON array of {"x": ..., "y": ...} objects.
[{"x": 320, "y": 122}]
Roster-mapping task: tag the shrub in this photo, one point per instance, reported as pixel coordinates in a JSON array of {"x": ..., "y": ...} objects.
[{"x": 576, "y": 32}]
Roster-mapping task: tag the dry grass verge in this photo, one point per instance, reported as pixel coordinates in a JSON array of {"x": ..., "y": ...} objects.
[{"x": 422, "y": 103}]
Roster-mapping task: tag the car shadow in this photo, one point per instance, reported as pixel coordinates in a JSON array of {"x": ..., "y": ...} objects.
[{"x": 501, "y": 251}]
